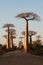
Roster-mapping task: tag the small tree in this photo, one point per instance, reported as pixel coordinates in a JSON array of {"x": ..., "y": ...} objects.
[
  {"x": 20, "y": 42},
  {"x": 31, "y": 33}
]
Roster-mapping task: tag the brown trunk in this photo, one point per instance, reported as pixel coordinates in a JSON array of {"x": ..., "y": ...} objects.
[
  {"x": 26, "y": 38},
  {"x": 8, "y": 39},
  {"x": 30, "y": 41}
]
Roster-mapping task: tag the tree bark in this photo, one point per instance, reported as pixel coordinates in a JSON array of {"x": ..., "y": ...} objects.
[
  {"x": 26, "y": 38},
  {"x": 8, "y": 39}
]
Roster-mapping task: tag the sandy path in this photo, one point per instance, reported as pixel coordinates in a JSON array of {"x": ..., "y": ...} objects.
[{"x": 19, "y": 58}]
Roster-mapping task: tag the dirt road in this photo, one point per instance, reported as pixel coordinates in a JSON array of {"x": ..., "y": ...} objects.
[{"x": 19, "y": 58}]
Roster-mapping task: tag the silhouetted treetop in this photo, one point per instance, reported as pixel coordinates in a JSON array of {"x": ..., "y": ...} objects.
[
  {"x": 11, "y": 31},
  {"x": 29, "y": 33},
  {"x": 8, "y": 25},
  {"x": 29, "y": 16}
]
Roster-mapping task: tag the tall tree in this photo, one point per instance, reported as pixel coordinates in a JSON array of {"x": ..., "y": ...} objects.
[{"x": 28, "y": 16}]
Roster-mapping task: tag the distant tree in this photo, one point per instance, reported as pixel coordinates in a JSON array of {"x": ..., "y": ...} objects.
[
  {"x": 20, "y": 45},
  {"x": 8, "y": 27},
  {"x": 30, "y": 34},
  {"x": 38, "y": 40},
  {"x": 21, "y": 38},
  {"x": 12, "y": 33}
]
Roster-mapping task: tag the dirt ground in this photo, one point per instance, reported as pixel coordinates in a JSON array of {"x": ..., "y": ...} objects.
[{"x": 19, "y": 58}]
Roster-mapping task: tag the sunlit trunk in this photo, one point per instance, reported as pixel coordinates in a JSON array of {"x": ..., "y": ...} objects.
[
  {"x": 6, "y": 42},
  {"x": 24, "y": 43},
  {"x": 21, "y": 39},
  {"x": 26, "y": 38},
  {"x": 8, "y": 39}
]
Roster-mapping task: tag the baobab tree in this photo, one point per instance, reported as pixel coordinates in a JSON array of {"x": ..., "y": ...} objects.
[
  {"x": 6, "y": 38},
  {"x": 31, "y": 33},
  {"x": 28, "y": 16},
  {"x": 21, "y": 38},
  {"x": 38, "y": 39},
  {"x": 8, "y": 27},
  {"x": 12, "y": 34},
  {"x": 20, "y": 42}
]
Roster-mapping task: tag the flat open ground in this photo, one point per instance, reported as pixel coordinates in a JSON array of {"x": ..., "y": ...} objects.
[{"x": 19, "y": 58}]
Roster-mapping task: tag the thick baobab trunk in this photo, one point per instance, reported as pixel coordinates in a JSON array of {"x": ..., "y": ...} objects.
[
  {"x": 6, "y": 42},
  {"x": 26, "y": 38},
  {"x": 11, "y": 41},
  {"x": 24, "y": 42},
  {"x": 8, "y": 39}
]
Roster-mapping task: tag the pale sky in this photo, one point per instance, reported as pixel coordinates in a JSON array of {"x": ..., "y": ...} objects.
[{"x": 10, "y": 8}]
